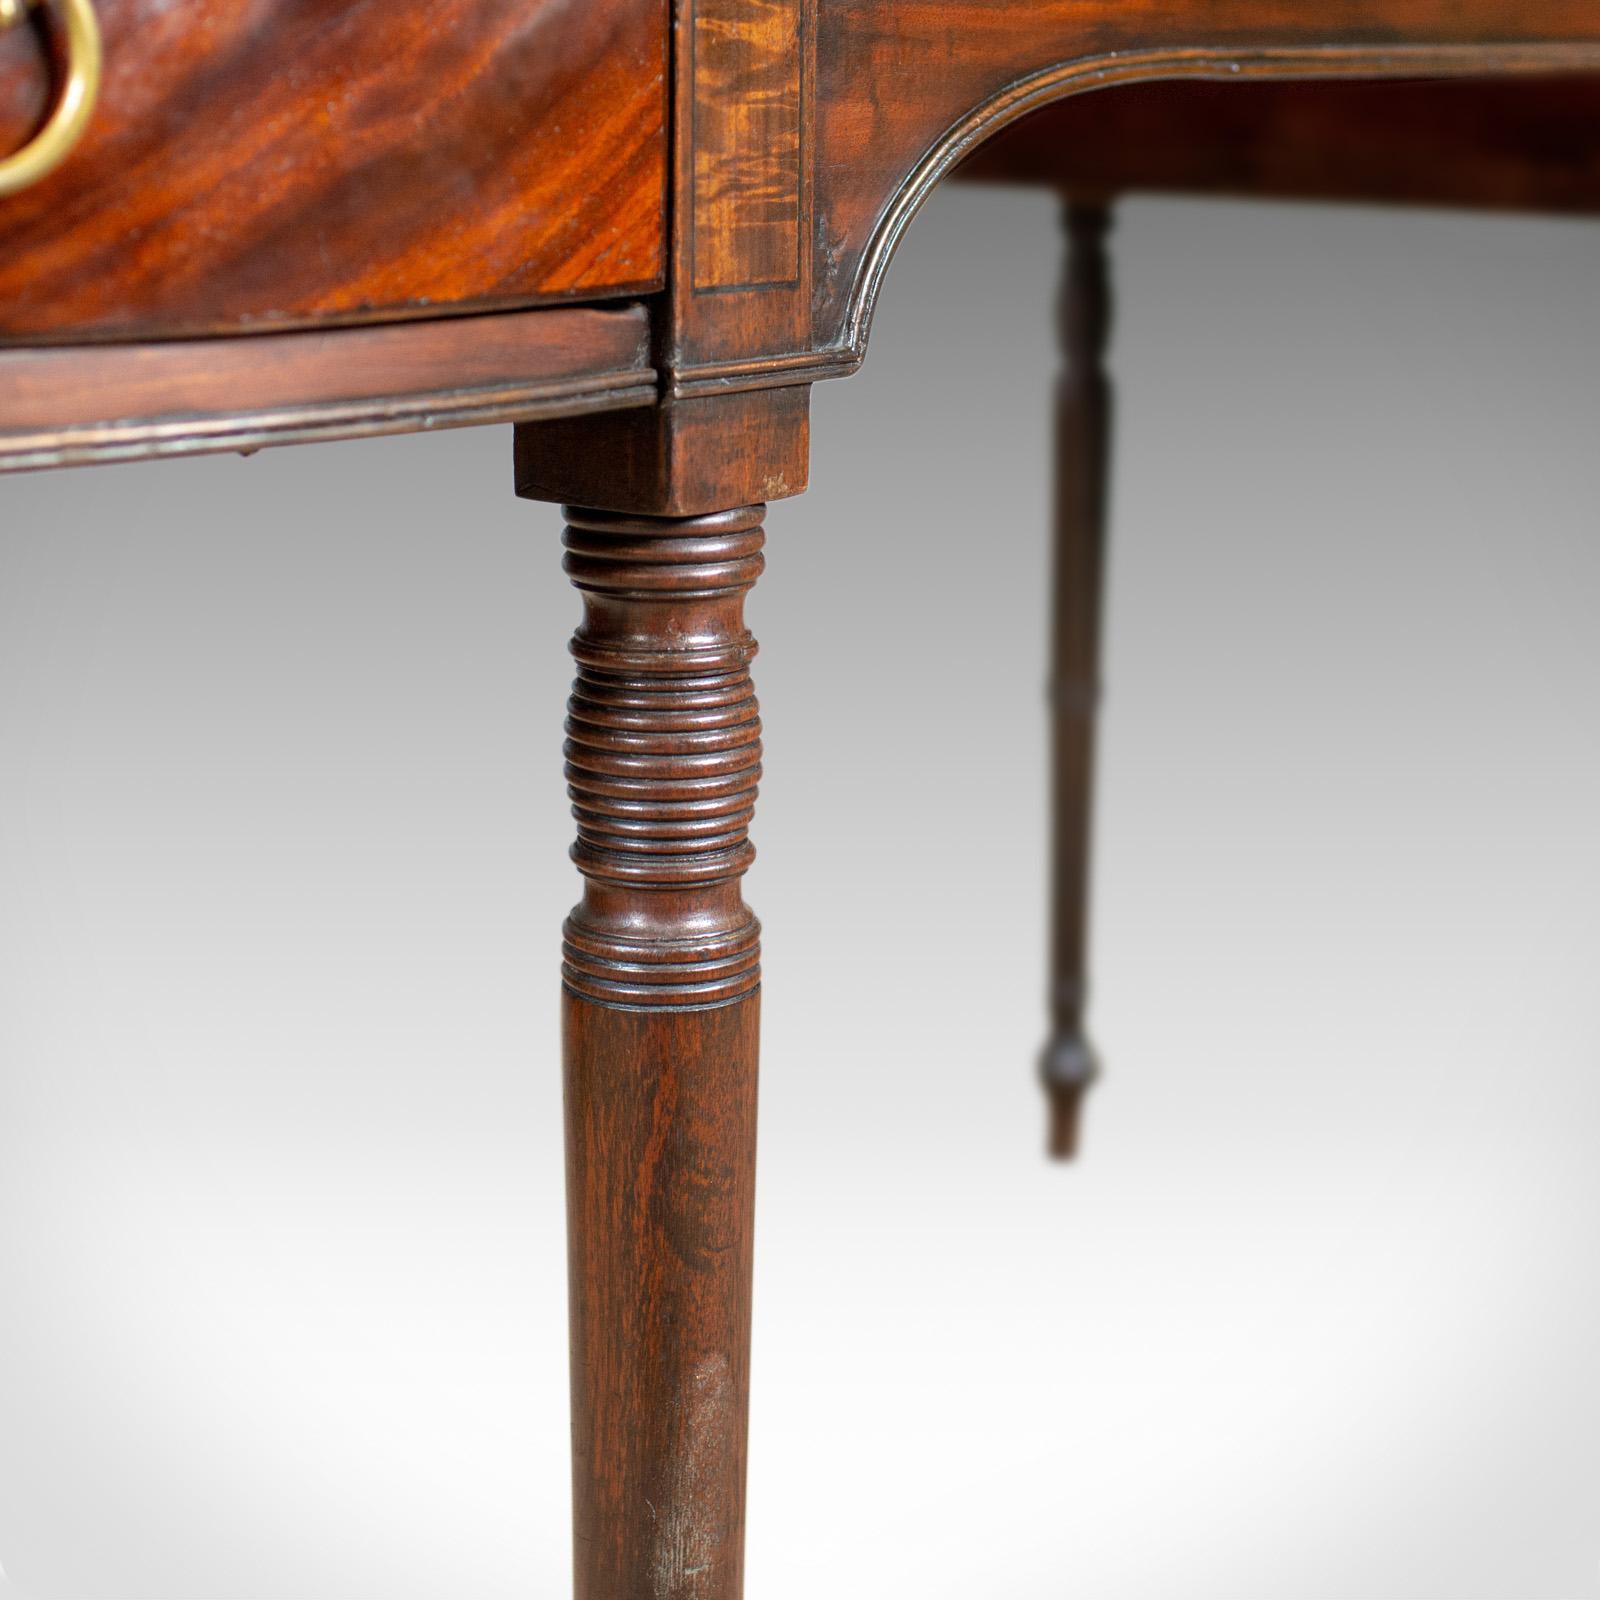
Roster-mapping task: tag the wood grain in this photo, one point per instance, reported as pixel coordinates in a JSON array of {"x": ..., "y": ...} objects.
[
  {"x": 61, "y": 407},
  {"x": 661, "y": 1117},
  {"x": 661, "y": 1010},
  {"x": 679, "y": 459},
  {"x": 908, "y": 88},
  {"x": 739, "y": 256},
  {"x": 896, "y": 94},
  {"x": 663, "y": 756},
  {"x": 747, "y": 105},
  {"x": 279, "y": 162}
]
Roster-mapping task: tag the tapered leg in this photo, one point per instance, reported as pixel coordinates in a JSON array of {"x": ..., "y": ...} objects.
[
  {"x": 1083, "y": 436},
  {"x": 661, "y": 980}
]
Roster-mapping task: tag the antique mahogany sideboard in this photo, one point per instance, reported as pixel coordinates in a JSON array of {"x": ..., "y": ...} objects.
[{"x": 641, "y": 231}]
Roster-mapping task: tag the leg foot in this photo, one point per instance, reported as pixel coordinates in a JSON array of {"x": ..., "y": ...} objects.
[{"x": 1069, "y": 1069}]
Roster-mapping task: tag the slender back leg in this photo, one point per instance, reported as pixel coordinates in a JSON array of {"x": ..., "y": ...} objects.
[{"x": 1083, "y": 438}]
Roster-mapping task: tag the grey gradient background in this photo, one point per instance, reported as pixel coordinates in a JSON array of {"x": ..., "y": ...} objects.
[{"x": 282, "y": 867}]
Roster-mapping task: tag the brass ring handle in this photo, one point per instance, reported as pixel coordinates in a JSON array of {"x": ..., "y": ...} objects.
[{"x": 54, "y": 141}]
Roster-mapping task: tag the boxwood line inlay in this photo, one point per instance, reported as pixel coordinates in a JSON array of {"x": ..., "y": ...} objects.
[{"x": 733, "y": 177}]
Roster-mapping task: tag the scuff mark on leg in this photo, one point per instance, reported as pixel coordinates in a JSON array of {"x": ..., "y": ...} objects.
[{"x": 694, "y": 1527}]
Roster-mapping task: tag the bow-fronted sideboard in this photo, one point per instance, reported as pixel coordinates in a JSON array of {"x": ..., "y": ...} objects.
[{"x": 640, "y": 232}]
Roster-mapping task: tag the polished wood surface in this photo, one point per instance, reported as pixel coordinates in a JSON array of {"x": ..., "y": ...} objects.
[
  {"x": 679, "y": 459},
  {"x": 260, "y": 167},
  {"x": 660, "y": 1110},
  {"x": 288, "y": 161},
  {"x": 1518, "y": 144},
  {"x": 804, "y": 138},
  {"x": 69, "y": 406},
  {"x": 909, "y": 88},
  {"x": 661, "y": 978},
  {"x": 738, "y": 307},
  {"x": 745, "y": 83},
  {"x": 894, "y": 95}
]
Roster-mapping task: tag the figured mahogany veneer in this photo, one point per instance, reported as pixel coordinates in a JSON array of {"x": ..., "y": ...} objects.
[
  {"x": 263, "y": 163},
  {"x": 278, "y": 162}
]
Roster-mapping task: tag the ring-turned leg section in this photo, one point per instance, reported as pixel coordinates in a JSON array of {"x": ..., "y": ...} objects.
[
  {"x": 660, "y": 1007},
  {"x": 1083, "y": 438}
]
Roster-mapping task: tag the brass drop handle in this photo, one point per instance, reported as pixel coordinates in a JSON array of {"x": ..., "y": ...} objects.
[{"x": 54, "y": 141}]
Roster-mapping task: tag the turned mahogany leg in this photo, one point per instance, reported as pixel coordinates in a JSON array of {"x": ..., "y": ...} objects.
[
  {"x": 661, "y": 1001},
  {"x": 1083, "y": 434}
]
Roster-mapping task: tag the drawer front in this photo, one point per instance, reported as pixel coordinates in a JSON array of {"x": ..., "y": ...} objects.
[{"x": 274, "y": 163}]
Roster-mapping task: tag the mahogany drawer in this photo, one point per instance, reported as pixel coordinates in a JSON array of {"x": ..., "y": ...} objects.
[{"x": 272, "y": 163}]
